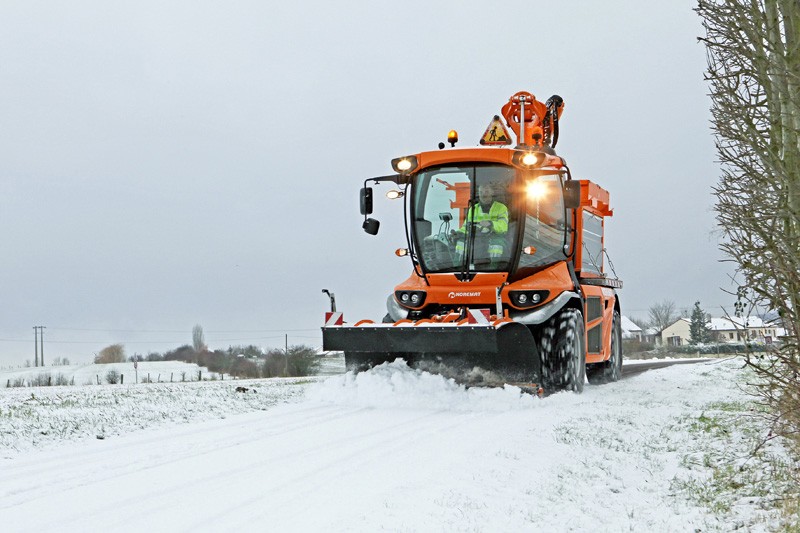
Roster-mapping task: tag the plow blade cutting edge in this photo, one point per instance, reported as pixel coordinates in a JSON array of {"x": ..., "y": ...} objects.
[{"x": 506, "y": 350}]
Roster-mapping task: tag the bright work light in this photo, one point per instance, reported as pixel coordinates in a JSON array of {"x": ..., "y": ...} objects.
[{"x": 536, "y": 190}]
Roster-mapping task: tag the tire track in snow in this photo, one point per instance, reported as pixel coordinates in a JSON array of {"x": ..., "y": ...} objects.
[
  {"x": 336, "y": 466},
  {"x": 121, "y": 457},
  {"x": 304, "y": 458}
]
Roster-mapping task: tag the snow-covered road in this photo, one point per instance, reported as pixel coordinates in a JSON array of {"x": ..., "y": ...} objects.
[{"x": 398, "y": 450}]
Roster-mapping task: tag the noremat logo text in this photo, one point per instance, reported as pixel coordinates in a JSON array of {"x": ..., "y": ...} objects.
[{"x": 463, "y": 294}]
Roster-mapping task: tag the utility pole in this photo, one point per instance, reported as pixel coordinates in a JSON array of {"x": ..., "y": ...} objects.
[
  {"x": 286, "y": 367},
  {"x": 38, "y": 331}
]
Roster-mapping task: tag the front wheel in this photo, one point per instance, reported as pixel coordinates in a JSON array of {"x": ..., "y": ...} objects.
[{"x": 562, "y": 348}]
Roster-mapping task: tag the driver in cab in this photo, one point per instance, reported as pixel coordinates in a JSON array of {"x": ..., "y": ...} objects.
[{"x": 490, "y": 218}]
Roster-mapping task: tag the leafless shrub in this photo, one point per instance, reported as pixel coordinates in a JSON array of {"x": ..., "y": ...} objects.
[
  {"x": 43, "y": 379},
  {"x": 112, "y": 377}
]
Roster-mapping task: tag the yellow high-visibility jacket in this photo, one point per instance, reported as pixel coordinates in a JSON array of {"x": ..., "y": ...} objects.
[{"x": 497, "y": 215}]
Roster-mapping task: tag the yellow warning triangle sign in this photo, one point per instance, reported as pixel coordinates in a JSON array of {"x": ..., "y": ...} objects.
[{"x": 496, "y": 133}]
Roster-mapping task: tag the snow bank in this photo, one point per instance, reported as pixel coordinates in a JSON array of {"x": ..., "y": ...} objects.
[{"x": 395, "y": 384}]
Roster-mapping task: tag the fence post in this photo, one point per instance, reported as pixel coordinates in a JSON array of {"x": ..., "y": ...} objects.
[
  {"x": 49, "y": 380},
  {"x": 122, "y": 379},
  {"x": 170, "y": 376},
  {"x": 98, "y": 378},
  {"x": 199, "y": 375}
]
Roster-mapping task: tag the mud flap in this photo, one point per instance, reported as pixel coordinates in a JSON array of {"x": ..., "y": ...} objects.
[{"x": 507, "y": 349}]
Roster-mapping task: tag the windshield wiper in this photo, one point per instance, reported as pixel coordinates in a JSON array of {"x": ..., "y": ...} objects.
[{"x": 469, "y": 237}]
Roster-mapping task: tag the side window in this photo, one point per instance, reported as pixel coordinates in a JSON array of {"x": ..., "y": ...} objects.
[{"x": 592, "y": 243}]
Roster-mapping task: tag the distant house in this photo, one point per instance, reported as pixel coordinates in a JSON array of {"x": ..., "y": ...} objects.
[
  {"x": 630, "y": 330},
  {"x": 677, "y": 333},
  {"x": 752, "y": 328},
  {"x": 730, "y": 329}
]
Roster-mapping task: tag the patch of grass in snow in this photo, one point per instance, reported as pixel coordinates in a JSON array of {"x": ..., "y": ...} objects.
[
  {"x": 731, "y": 466},
  {"x": 603, "y": 433}
]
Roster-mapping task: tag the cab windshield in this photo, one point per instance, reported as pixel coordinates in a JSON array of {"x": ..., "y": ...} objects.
[{"x": 467, "y": 218}]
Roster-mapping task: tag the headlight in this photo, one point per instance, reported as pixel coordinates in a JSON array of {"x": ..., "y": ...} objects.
[
  {"x": 527, "y": 299},
  {"x": 410, "y": 298},
  {"x": 394, "y": 194},
  {"x": 404, "y": 165},
  {"x": 528, "y": 159}
]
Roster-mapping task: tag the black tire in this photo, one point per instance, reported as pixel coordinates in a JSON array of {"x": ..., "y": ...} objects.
[
  {"x": 562, "y": 347},
  {"x": 611, "y": 370}
]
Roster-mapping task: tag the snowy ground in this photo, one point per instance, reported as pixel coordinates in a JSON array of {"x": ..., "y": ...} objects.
[
  {"x": 392, "y": 449},
  {"x": 153, "y": 371}
]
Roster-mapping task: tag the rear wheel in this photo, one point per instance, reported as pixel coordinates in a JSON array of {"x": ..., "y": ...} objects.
[
  {"x": 562, "y": 347},
  {"x": 610, "y": 370}
]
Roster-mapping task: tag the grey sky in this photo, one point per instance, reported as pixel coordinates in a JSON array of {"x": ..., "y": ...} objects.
[{"x": 166, "y": 164}]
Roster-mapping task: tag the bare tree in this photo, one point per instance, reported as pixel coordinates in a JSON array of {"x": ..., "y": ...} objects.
[
  {"x": 114, "y": 353},
  {"x": 198, "y": 339},
  {"x": 753, "y": 49},
  {"x": 662, "y": 314}
]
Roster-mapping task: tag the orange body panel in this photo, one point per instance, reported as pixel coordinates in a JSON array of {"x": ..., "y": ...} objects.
[
  {"x": 460, "y": 155},
  {"x": 607, "y": 301},
  {"x": 445, "y": 289},
  {"x": 595, "y": 199}
]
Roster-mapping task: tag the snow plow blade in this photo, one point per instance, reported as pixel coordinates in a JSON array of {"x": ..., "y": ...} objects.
[{"x": 505, "y": 348}]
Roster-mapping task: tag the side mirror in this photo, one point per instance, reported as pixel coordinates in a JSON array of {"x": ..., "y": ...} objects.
[
  {"x": 366, "y": 201},
  {"x": 371, "y": 226},
  {"x": 572, "y": 194}
]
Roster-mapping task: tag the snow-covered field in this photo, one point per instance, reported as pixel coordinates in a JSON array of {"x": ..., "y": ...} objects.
[
  {"x": 391, "y": 449},
  {"x": 153, "y": 371}
]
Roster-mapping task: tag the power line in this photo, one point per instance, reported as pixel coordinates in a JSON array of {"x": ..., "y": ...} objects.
[
  {"x": 162, "y": 341},
  {"x": 182, "y": 330}
]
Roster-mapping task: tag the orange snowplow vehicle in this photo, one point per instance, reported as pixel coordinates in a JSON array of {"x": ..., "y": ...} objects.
[{"x": 509, "y": 281}]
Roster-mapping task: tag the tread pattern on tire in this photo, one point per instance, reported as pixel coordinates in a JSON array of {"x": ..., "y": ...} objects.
[{"x": 563, "y": 350}]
